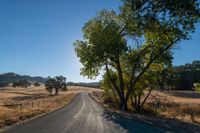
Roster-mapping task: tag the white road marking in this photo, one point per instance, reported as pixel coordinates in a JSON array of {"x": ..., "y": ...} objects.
[
  {"x": 75, "y": 116},
  {"x": 82, "y": 107}
]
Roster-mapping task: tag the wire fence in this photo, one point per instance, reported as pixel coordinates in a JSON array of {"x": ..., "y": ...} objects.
[{"x": 34, "y": 103}]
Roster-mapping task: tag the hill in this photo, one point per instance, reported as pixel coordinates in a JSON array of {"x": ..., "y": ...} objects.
[{"x": 8, "y": 78}]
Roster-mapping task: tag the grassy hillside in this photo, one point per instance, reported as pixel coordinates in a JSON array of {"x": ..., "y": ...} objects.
[{"x": 8, "y": 78}]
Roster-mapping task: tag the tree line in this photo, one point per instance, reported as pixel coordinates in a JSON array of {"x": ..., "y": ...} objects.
[
  {"x": 83, "y": 84},
  {"x": 187, "y": 75},
  {"x": 183, "y": 77}
]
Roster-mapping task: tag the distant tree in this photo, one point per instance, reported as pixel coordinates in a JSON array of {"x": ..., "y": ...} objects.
[
  {"x": 37, "y": 84},
  {"x": 14, "y": 84},
  {"x": 91, "y": 84},
  {"x": 22, "y": 83},
  {"x": 187, "y": 75},
  {"x": 4, "y": 84},
  {"x": 9, "y": 78},
  {"x": 57, "y": 83},
  {"x": 197, "y": 86}
]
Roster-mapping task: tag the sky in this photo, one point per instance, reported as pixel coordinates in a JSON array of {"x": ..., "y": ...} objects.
[{"x": 36, "y": 36}]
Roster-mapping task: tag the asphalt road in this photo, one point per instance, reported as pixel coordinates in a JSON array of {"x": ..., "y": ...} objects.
[{"x": 83, "y": 115}]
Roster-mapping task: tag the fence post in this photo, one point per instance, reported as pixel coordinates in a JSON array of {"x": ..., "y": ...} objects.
[
  {"x": 20, "y": 106},
  {"x": 32, "y": 104}
]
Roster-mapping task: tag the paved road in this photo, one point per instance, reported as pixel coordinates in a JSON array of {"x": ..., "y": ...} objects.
[{"x": 83, "y": 115}]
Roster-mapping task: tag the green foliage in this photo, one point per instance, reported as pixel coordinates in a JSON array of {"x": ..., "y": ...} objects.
[
  {"x": 37, "y": 84},
  {"x": 110, "y": 95},
  {"x": 9, "y": 78},
  {"x": 197, "y": 86},
  {"x": 108, "y": 90},
  {"x": 187, "y": 75},
  {"x": 180, "y": 14},
  {"x": 57, "y": 83},
  {"x": 99, "y": 47},
  {"x": 146, "y": 83},
  {"x": 83, "y": 84},
  {"x": 22, "y": 83},
  {"x": 164, "y": 73},
  {"x": 155, "y": 27}
]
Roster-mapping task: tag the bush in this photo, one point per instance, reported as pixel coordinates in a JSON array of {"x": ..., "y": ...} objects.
[
  {"x": 37, "y": 84},
  {"x": 22, "y": 83},
  {"x": 197, "y": 86}
]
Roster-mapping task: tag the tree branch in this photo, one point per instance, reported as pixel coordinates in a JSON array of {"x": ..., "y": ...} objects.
[
  {"x": 146, "y": 97},
  {"x": 111, "y": 80},
  {"x": 152, "y": 58}
]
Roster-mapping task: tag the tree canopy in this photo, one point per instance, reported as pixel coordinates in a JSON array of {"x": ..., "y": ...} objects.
[
  {"x": 187, "y": 75},
  {"x": 126, "y": 45},
  {"x": 57, "y": 83}
]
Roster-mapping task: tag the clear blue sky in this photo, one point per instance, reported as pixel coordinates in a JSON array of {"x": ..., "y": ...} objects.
[{"x": 36, "y": 36}]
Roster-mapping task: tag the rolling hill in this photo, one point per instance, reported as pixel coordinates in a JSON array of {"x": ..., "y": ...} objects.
[{"x": 8, "y": 78}]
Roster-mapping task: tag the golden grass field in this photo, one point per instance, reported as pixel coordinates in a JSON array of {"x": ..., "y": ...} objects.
[
  {"x": 180, "y": 105},
  {"x": 34, "y": 101}
]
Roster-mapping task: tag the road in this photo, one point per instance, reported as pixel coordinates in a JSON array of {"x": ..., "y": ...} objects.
[{"x": 83, "y": 115}]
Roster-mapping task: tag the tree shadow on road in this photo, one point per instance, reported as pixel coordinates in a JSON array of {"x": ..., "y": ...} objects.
[{"x": 139, "y": 125}]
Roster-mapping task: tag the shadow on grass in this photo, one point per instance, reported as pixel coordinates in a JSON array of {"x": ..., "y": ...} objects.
[
  {"x": 28, "y": 96},
  {"x": 185, "y": 94}
]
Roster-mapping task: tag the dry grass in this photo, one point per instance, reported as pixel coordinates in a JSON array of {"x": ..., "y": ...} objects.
[
  {"x": 181, "y": 105},
  {"x": 175, "y": 110},
  {"x": 34, "y": 100}
]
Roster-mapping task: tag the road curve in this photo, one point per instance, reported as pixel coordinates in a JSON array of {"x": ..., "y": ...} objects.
[{"x": 83, "y": 115}]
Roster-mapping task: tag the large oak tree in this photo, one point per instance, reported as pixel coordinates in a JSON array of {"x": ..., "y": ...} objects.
[{"x": 154, "y": 25}]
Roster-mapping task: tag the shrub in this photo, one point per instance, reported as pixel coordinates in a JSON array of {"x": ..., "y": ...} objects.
[
  {"x": 37, "y": 84},
  {"x": 197, "y": 86},
  {"x": 22, "y": 83}
]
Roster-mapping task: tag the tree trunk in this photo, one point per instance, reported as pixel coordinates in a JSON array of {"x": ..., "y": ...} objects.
[
  {"x": 123, "y": 101},
  {"x": 120, "y": 92},
  {"x": 136, "y": 103},
  {"x": 138, "y": 109},
  {"x": 56, "y": 91},
  {"x": 161, "y": 85},
  {"x": 123, "y": 104}
]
